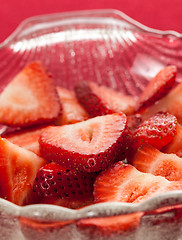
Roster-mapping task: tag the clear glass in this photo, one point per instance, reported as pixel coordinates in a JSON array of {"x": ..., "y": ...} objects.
[{"x": 107, "y": 47}]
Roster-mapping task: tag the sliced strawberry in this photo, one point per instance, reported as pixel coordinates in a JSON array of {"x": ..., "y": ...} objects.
[
  {"x": 32, "y": 229},
  {"x": 171, "y": 103},
  {"x": 109, "y": 225},
  {"x": 150, "y": 160},
  {"x": 72, "y": 111},
  {"x": 158, "y": 87},
  {"x": 134, "y": 121},
  {"x": 88, "y": 146},
  {"x": 18, "y": 169},
  {"x": 124, "y": 183},
  {"x": 175, "y": 146},
  {"x": 101, "y": 100},
  {"x": 28, "y": 138},
  {"x": 30, "y": 98},
  {"x": 54, "y": 182},
  {"x": 157, "y": 131}
]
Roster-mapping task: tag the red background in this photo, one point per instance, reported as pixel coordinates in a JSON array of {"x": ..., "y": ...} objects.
[{"x": 160, "y": 14}]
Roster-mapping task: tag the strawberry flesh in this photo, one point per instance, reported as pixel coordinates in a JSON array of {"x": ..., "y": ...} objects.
[
  {"x": 18, "y": 169},
  {"x": 88, "y": 146},
  {"x": 158, "y": 87},
  {"x": 100, "y": 100},
  {"x": 109, "y": 225},
  {"x": 72, "y": 111},
  {"x": 30, "y": 98},
  {"x": 175, "y": 146},
  {"x": 150, "y": 160},
  {"x": 54, "y": 182},
  {"x": 124, "y": 183},
  {"x": 27, "y": 138},
  {"x": 171, "y": 103},
  {"x": 157, "y": 131}
]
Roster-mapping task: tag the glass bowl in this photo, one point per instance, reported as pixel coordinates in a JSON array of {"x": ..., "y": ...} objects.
[{"x": 107, "y": 47}]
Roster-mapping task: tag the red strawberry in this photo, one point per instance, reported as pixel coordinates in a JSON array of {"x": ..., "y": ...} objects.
[
  {"x": 134, "y": 121},
  {"x": 175, "y": 146},
  {"x": 88, "y": 146},
  {"x": 157, "y": 131},
  {"x": 150, "y": 160},
  {"x": 171, "y": 103},
  {"x": 72, "y": 111},
  {"x": 53, "y": 182},
  {"x": 158, "y": 87},
  {"x": 101, "y": 100},
  {"x": 30, "y": 98},
  {"x": 124, "y": 183},
  {"x": 109, "y": 225},
  {"x": 18, "y": 169},
  {"x": 33, "y": 229},
  {"x": 28, "y": 138}
]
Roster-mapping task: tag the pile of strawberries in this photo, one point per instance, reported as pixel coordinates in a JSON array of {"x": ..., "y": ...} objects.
[{"x": 91, "y": 145}]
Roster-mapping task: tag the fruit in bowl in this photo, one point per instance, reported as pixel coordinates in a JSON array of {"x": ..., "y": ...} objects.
[{"x": 78, "y": 148}]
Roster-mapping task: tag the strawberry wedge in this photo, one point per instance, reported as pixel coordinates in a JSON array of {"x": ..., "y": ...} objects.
[
  {"x": 158, "y": 131},
  {"x": 175, "y": 146},
  {"x": 100, "y": 100},
  {"x": 54, "y": 182},
  {"x": 158, "y": 87},
  {"x": 18, "y": 169},
  {"x": 27, "y": 138},
  {"x": 150, "y": 160},
  {"x": 88, "y": 146},
  {"x": 124, "y": 183},
  {"x": 30, "y": 98},
  {"x": 171, "y": 103},
  {"x": 72, "y": 111}
]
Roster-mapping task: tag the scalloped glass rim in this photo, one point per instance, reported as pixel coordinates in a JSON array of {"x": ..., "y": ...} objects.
[
  {"x": 45, "y": 212},
  {"x": 85, "y": 12}
]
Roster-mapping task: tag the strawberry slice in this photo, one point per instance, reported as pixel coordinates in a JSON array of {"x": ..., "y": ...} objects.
[
  {"x": 175, "y": 146},
  {"x": 171, "y": 103},
  {"x": 158, "y": 87},
  {"x": 157, "y": 131},
  {"x": 100, "y": 100},
  {"x": 53, "y": 182},
  {"x": 150, "y": 160},
  {"x": 30, "y": 98},
  {"x": 88, "y": 146},
  {"x": 109, "y": 225},
  {"x": 124, "y": 183},
  {"x": 72, "y": 111},
  {"x": 134, "y": 121},
  {"x": 18, "y": 169},
  {"x": 28, "y": 138}
]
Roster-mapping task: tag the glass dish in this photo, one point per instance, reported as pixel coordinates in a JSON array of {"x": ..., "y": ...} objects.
[{"x": 107, "y": 47}]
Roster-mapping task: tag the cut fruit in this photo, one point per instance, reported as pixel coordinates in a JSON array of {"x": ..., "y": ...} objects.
[
  {"x": 157, "y": 131},
  {"x": 28, "y": 138},
  {"x": 150, "y": 160},
  {"x": 124, "y": 183},
  {"x": 100, "y": 100},
  {"x": 18, "y": 169},
  {"x": 171, "y": 103},
  {"x": 30, "y": 98},
  {"x": 158, "y": 87},
  {"x": 175, "y": 146},
  {"x": 72, "y": 111},
  {"x": 110, "y": 225},
  {"x": 88, "y": 146},
  {"x": 55, "y": 182}
]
